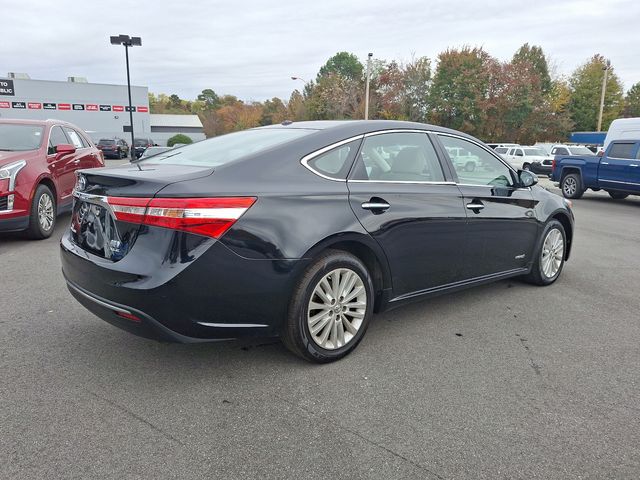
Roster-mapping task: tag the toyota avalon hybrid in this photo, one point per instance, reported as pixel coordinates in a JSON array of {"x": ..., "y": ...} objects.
[{"x": 303, "y": 231}]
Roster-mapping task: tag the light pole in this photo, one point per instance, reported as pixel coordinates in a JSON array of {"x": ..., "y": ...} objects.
[
  {"x": 128, "y": 41},
  {"x": 606, "y": 69},
  {"x": 299, "y": 78},
  {"x": 366, "y": 95}
]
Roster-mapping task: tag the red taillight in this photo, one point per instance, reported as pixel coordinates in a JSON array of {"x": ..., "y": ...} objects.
[
  {"x": 204, "y": 216},
  {"x": 553, "y": 164},
  {"x": 128, "y": 316}
]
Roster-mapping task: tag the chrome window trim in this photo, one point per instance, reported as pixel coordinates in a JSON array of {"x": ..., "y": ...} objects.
[
  {"x": 396, "y": 130},
  {"x": 305, "y": 160},
  {"x": 426, "y": 182},
  {"x": 618, "y": 158}
]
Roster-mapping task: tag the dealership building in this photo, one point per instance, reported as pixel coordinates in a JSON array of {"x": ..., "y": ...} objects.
[{"x": 99, "y": 109}]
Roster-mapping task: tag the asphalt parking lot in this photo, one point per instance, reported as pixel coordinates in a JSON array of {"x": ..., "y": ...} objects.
[{"x": 502, "y": 381}]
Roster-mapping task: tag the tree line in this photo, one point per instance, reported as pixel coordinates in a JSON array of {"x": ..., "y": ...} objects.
[{"x": 467, "y": 89}]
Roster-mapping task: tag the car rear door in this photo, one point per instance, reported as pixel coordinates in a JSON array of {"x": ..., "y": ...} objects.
[
  {"x": 85, "y": 156},
  {"x": 411, "y": 207},
  {"x": 502, "y": 228},
  {"x": 62, "y": 168},
  {"x": 620, "y": 168}
]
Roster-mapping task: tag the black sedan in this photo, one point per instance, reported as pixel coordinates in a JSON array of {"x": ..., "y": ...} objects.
[{"x": 303, "y": 231}]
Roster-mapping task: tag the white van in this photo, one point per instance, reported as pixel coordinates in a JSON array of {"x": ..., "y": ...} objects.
[{"x": 623, "y": 129}]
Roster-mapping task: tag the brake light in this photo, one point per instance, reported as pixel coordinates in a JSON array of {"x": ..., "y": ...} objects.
[
  {"x": 211, "y": 217},
  {"x": 553, "y": 164}
]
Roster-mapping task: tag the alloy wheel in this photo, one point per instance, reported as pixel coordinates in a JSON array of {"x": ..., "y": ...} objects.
[
  {"x": 45, "y": 212},
  {"x": 569, "y": 186},
  {"x": 336, "y": 308},
  {"x": 552, "y": 253}
]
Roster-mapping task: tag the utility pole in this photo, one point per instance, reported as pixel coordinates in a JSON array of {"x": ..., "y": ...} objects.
[
  {"x": 366, "y": 100},
  {"x": 606, "y": 69}
]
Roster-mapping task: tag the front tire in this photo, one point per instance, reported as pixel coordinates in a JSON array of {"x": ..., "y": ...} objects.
[
  {"x": 618, "y": 195},
  {"x": 330, "y": 308},
  {"x": 42, "y": 220},
  {"x": 550, "y": 255},
  {"x": 571, "y": 186}
]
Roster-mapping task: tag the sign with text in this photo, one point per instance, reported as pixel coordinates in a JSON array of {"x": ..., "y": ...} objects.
[
  {"x": 5, "y": 104},
  {"x": 143, "y": 109},
  {"x": 92, "y": 107},
  {"x": 78, "y": 106},
  {"x": 49, "y": 106},
  {"x": 64, "y": 106},
  {"x": 130, "y": 109},
  {"x": 6, "y": 88},
  {"x": 118, "y": 108},
  {"x": 18, "y": 105},
  {"x": 34, "y": 105},
  {"x": 105, "y": 108}
]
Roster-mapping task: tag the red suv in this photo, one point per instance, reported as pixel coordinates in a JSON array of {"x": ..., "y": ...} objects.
[{"x": 38, "y": 161}]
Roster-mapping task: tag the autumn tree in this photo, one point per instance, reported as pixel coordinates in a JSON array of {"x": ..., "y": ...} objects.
[
  {"x": 273, "y": 111},
  {"x": 343, "y": 64},
  {"x": 460, "y": 84},
  {"x": 632, "y": 102},
  {"x": 586, "y": 88}
]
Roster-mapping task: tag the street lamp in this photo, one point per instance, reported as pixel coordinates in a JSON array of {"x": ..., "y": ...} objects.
[
  {"x": 606, "y": 69},
  {"x": 128, "y": 41},
  {"x": 299, "y": 78},
  {"x": 366, "y": 95}
]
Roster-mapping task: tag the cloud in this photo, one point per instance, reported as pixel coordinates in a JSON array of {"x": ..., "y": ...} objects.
[{"x": 251, "y": 48}]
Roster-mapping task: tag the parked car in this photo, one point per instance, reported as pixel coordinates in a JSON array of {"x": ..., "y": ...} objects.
[
  {"x": 463, "y": 159},
  {"x": 570, "y": 150},
  {"x": 38, "y": 161},
  {"x": 141, "y": 144},
  {"x": 303, "y": 230},
  {"x": 114, "y": 147},
  {"x": 617, "y": 171},
  {"x": 150, "y": 151},
  {"x": 622, "y": 129},
  {"x": 502, "y": 145},
  {"x": 529, "y": 158}
]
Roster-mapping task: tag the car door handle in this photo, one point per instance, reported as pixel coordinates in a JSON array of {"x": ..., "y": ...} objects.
[
  {"x": 633, "y": 165},
  {"x": 604, "y": 163},
  {"x": 376, "y": 204},
  {"x": 475, "y": 206}
]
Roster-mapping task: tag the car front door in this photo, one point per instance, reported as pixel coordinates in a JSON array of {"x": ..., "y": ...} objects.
[
  {"x": 411, "y": 207},
  {"x": 502, "y": 228},
  {"x": 620, "y": 168},
  {"x": 62, "y": 167}
]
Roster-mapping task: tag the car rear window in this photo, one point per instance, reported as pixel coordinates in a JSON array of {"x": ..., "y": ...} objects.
[
  {"x": 621, "y": 150},
  {"x": 20, "y": 138},
  {"x": 501, "y": 150},
  {"x": 534, "y": 152},
  {"x": 105, "y": 141},
  {"x": 227, "y": 148}
]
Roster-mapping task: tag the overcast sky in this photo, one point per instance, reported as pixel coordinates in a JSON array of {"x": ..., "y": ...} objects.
[{"x": 251, "y": 48}]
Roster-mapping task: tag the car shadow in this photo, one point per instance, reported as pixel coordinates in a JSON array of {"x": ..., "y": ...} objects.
[{"x": 8, "y": 239}]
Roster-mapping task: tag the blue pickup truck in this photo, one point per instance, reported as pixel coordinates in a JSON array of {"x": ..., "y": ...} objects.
[{"x": 617, "y": 171}]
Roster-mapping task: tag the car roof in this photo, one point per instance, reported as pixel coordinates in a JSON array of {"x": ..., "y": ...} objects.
[
  {"x": 357, "y": 127},
  {"x": 49, "y": 121}
]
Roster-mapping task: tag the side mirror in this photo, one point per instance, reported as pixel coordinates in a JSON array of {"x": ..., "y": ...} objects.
[
  {"x": 527, "y": 178},
  {"x": 64, "y": 149}
]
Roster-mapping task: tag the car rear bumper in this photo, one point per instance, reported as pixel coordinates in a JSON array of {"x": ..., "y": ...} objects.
[
  {"x": 181, "y": 289},
  {"x": 538, "y": 168}
]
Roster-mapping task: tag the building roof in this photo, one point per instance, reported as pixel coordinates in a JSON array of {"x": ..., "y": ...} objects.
[{"x": 171, "y": 120}]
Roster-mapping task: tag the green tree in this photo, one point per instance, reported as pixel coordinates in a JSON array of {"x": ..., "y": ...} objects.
[
  {"x": 344, "y": 64},
  {"x": 533, "y": 58},
  {"x": 175, "y": 101},
  {"x": 210, "y": 99},
  {"x": 273, "y": 111},
  {"x": 632, "y": 102},
  {"x": 586, "y": 88},
  {"x": 179, "y": 138}
]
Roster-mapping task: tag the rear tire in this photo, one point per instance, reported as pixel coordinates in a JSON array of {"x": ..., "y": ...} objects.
[
  {"x": 618, "y": 195},
  {"x": 330, "y": 308},
  {"x": 42, "y": 219},
  {"x": 571, "y": 186},
  {"x": 549, "y": 256}
]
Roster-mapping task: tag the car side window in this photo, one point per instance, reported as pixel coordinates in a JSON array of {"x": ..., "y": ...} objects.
[
  {"x": 622, "y": 150},
  {"x": 74, "y": 137},
  {"x": 519, "y": 153},
  {"x": 488, "y": 170},
  {"x": 336, "y": 162},
  {"x": 56, "y": 137},
  {"x": 398, "y": 157},
  {"x": 562, "y": 151}
]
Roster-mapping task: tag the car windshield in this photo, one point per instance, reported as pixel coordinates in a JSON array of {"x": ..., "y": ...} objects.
[
  {"x": 105, "y": 141},
  {"x": 20, "y": 138},
  {"x": 580, "y": 151},
  {"x": 534, "y": 152},
  {"x": 227, "y": 148}
]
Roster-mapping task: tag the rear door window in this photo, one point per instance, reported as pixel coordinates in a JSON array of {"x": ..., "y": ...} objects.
[
  {"x": 75, "y": 138},
  {"x": 398, "y": 157},
  {"x": 622, "y": 150}
]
